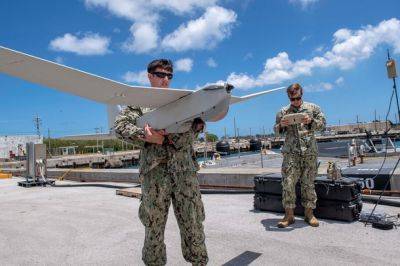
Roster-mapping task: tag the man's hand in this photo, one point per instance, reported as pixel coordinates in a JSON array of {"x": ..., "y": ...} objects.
[
  {"x": 153, "y": 136},
  {"x": 306, "y": 120},
  {"x": 284, "y": 122}
]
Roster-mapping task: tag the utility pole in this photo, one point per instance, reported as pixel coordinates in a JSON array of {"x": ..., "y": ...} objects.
[
  {"x": 48, "y": 137},
  {"x": 264, "y": 132},
  {"x": 234, "y": 126},
  {"x": 97, "y": 129},
  {"x": 38, "y": 122},
  {"x": 225, "y": 132},
  {"x": 375, "y": 121},
  {"x": 358, "y": 125},
  {"x": 102, "y": 141},
  {"x": 250, "y": 132},
  {"x": 238, "y": 141},
  {"x": 205, "y": 145}
]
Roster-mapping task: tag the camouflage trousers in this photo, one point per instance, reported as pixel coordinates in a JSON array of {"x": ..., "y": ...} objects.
[
  {"x": 295, "y": 167},
  {"x": 159, "y": 188}
]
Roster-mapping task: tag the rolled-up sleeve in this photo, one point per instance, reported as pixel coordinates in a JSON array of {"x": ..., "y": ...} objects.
[
  {"x": 277, "y": 128},
  {"x": 319, "y": 121},
  {"x": 125, "y": 125}
]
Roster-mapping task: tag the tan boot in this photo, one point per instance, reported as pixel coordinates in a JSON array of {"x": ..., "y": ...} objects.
[
  {"x": 310, "y": 218},
  {"x": 288, "y": 219}
]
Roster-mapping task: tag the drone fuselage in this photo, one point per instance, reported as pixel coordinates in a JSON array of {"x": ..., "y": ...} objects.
[{"x": 210, "y": 104}]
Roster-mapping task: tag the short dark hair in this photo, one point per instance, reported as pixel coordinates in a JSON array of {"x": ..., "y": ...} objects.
[
  {"x": 162, "y": 63},
  {"x": 294, "y": 89}
]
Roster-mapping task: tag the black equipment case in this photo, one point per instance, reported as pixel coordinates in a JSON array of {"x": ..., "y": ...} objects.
[
  {"x": 344, "y": 189},
  {"x": 327, "y": 209},
  {"x": 338, "y": 200}
]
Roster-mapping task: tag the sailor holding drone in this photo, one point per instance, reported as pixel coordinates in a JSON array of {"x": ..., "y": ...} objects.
[
  {"x": 167, "y": 165},
  {"x": 299, "y": 121},
  {"x": 168, "y": 173}
]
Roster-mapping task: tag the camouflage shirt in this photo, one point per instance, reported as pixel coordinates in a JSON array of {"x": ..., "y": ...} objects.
[
  {"x": 300, "y": 138},
  {"x": 176, "y": 152}
]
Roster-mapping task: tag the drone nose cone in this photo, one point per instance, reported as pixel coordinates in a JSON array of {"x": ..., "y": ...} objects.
[{"x": 229, "y": 87}]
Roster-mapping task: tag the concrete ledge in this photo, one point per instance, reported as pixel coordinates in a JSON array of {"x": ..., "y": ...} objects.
[
  {"x": 96, "y": 175},
  {"x": 215, "y": 177}
]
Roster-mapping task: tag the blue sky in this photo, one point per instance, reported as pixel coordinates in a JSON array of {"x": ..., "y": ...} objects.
[{"x": 335, "y": 49}]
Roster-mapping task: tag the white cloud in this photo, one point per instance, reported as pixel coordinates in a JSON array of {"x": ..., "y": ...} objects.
[
  {"x": 148, "y": 10},
  {"x": 319, "y": 49},
  {"x": 144, "y": 38},
  {"x": 136, "y": 77},
  {"x": 184, "y": 64},
  {"x": 89, "y": 44},
  {"x": 349, "y": 47},
  {"x": 211, "y": 62},
  {"x": 147, "y": 14},
  {"x": 183, "y": 6},
  {"x": 202, "y": 33},
  {"x": 138, "y": 10},
  {"x": 304, "y": 3},
  {"x": 339, "y": 81},
  {"x": 248, "y": 56},
  {"x": 323, "y": 86},
  {"x": 304, "y": 38}
]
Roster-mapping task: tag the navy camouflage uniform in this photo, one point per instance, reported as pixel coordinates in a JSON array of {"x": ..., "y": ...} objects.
[
  {"x": 168, "y": 173},
  {"x": 300, "y": 154}
]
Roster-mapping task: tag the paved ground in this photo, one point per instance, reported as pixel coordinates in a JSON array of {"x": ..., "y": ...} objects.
[{"x": 88, "y": 225}]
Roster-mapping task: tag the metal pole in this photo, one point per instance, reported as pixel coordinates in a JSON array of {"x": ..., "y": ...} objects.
[
  {"x": 264, "y": 132},
  {"x": 48, "y": 136},
  {"x": 234, "y": 126},
  {"x": 395, "y": 89},
  {"x": 262, "y": 163},
  {"x": 97, "y": 138},
  {"x": 358, "y": 125},
  {"x": 38, "y": 122},
  {"x": 238, "y": 139},
  {"x": 102, "y": 141},
  {"x": 205, "y": 145}
]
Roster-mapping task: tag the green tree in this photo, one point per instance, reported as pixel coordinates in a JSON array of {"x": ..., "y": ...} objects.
[{"x": 212, "y": 137}]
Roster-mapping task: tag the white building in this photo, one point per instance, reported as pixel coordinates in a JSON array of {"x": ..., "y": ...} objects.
[{"x": 16, "y": 144}]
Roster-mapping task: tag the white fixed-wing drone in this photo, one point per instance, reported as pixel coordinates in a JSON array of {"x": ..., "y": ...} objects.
[{"x": 172, "y": 108}]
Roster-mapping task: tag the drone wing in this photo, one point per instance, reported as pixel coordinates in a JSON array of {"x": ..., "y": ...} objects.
[
  {"x": 80, "y": 83},
  {"x": 237, "y": 99}
]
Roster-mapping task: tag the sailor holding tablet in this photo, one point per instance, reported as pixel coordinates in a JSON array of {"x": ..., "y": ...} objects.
[{"x": 299, "y": 121}]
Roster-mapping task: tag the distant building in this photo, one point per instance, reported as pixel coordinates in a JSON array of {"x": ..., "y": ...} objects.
[
  {"x": 360, "y": 127},
  {"x": 12, "y": 146},
  {"x": 100, "y": 136}
]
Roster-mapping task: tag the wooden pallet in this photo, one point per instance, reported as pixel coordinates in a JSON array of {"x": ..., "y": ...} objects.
[{"x": 134, "y": 192}]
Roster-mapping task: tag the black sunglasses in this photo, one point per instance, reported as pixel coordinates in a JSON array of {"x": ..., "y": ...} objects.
[
  {"x": 162, "y": 75},
  {"x": 295, "y": 99}
]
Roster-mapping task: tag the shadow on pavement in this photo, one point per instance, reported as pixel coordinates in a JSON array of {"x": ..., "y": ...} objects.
[
  {"x": 270, "y": 225},
  {"x": 245, "y": 258}
]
